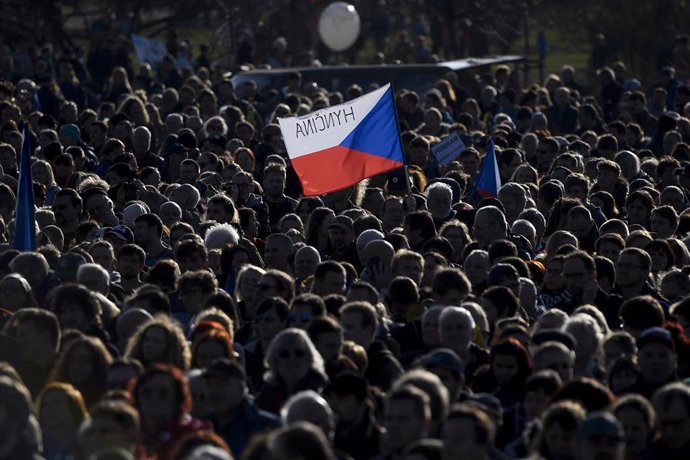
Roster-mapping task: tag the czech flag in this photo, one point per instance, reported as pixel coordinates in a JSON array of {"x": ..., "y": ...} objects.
[
  {"x": 336, "y": 147},
  {"x": 489, "y": 180}
]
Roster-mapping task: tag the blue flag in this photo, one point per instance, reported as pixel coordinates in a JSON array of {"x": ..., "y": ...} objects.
[
  {"x": 489, "y": 180},
  {"x": 25, "y": 212}
]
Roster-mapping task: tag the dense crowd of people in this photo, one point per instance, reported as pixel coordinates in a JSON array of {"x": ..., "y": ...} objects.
[{"x": 186, "y": 301}]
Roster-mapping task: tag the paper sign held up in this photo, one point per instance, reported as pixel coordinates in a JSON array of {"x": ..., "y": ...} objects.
[{"x": 449, "y": 148}]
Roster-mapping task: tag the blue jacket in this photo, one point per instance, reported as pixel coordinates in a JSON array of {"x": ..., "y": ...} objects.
[{"x": 248, "y": 421}]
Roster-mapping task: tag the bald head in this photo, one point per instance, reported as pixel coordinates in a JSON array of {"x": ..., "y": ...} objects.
[
  {"x": 309, "y": 406},
  {"x": 380, "y": 249},
  {"x": 129, "y": 322},
  {"x": 306, "y": 260}
]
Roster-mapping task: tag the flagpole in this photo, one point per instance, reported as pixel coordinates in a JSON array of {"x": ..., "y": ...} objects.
[{"x": 397, "y": 126}]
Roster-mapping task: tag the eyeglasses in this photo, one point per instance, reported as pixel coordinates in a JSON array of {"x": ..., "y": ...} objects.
[
  {"x": 574, "y": 275},
  {"x": 297, "y": 353}
]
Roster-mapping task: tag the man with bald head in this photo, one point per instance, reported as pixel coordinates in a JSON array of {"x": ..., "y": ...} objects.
[
  {"x": 489, "y": 225},
  {"x": 128, "y": 323},
  {"x": 378, "y": 259},
  {"x": 306, "y": 260},
  {"x": 477, "y": 266},
  {"x": 170, "y": 213},
  {"x": 365, "y": 238},
  {"x": 279, "y": 252},
  {"x": 309, "y": 406}
]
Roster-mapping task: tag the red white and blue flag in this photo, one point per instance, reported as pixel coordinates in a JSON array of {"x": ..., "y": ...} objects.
[
  {"x": 489, "y": 180},
  {"x": 336, "y": 147}
]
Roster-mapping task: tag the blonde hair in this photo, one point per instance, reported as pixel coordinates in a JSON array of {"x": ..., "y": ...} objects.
[{"x": 178, "y": 353}]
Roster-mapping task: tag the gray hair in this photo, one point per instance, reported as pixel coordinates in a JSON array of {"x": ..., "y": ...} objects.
[
  {"x": 284, "y": 337},
  {"x": 219, "y": 236},
  {"x": 458, "y": 312},
  {"x": 437, "y": 187}
]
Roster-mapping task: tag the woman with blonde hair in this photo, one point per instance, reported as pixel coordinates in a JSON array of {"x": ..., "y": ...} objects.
[
  {"x": 292, "y": 365},
  {"x": 118, "y": 84},
  {"x": 84, "y": 365},
  {"x": 42, "y": 172},
  {"x": 60, "y": 409},
  {"x": 135, "y": 109},
  {"x": 246, "y": 290},
  {"x": 160, "y": 341}
]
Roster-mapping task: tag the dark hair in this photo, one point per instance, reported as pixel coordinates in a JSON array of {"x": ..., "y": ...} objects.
[
  {"x": 546, "y": 381},
  {"x": 183, "y": 398},
  {"x": 642, "y": 312},
  {"x": 609, "y": 208},
  {"x": 591, "y": 394},
  {"x": 152, "y": 220},
  {"x": 450, "y": 278},
  {"x": 665, "y": 247},
  {"x": 484, "y": 428},
  {"x": 323, "y": 325},
  {"x": 164, "y": 275},
  {"x": 274, "y": 303},
  {"x": 315, "y": 303},
  {"x": 503, "y": 298},
  {"x": 402, "y": 290},
  {"x": 622, "y": 364},
  {"x": 79, "y": 294},
  {"x": 500, "y": 249},
  {"x": 423, "y": 221},
  {"x": 189, "y": 248},
  {"x": 129, "y": 250},
  {"x": 606, "y": 270}
]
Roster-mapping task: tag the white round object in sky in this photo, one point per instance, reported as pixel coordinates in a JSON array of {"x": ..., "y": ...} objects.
[{"x": 339, "y": 26}]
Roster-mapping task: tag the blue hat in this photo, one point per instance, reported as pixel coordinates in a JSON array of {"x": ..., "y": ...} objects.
[
  {"x": 444, "y": 358},
  {"x": 600, "y": 424},
  {"x": 121, "y": 232},
  {"x": 656, "y": 335},
  {"x": 71, "y": 131}
]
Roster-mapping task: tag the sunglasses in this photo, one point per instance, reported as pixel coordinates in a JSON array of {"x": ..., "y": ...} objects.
[
  {"x": 297, "y": 353},
  {"x": 303, "y": 318}
]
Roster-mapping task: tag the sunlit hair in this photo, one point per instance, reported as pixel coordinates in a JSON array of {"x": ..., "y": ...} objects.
[
  {"x": 177, "y": 349},
  {"x": 288, "y": 337}
]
